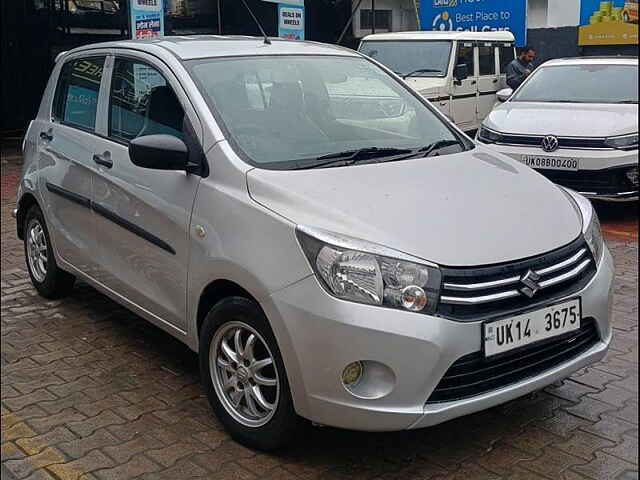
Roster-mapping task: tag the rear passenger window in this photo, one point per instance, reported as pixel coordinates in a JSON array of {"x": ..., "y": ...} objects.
[
  {"x": 76, "y": 99},
  {"x": 506, "y": 57},
  {"x": 142, "y": 103},
  {"x": 465, "y": 55},
  {"x": 487, "y": 59}
]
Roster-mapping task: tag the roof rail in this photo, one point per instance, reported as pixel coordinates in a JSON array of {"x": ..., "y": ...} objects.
[{"x": 60, "y": 55}]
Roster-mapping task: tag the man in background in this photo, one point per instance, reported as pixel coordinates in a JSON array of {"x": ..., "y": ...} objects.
[{"x": 520, "y": 68}]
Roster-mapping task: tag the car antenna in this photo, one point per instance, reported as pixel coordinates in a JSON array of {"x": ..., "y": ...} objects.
[{"x": 255, "y": 19}]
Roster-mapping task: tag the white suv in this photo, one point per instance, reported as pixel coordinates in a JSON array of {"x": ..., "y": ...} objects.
[{"x": 576, "y": 122}]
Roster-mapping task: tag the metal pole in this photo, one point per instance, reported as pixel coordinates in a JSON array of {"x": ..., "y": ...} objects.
[
  {"x": 346, "y": 27},
  {"x": 373, "y": 15},
  {"x": 219, "y": 18}
]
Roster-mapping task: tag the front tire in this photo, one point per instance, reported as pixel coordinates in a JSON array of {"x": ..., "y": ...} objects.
[
  {"x": 244, "y": 377},
  {"x": 49, "y": 280}
]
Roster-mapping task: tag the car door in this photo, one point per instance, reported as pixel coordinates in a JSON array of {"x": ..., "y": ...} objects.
[
  {"x": 488, "y": 81},
  {"x": 143, "y": 215},
  {"x": 465, "y": 93},
  {"x": 65, "y": 146}
]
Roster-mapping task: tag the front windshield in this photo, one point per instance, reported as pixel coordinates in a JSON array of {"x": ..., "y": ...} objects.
[
  {"x": 582, "y": 84},
  {"x": 285, "y": 109},
  {"x": 421, "y": 59}
]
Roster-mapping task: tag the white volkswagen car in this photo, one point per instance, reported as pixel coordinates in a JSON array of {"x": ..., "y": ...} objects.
[{"x": 576, "y": 122}]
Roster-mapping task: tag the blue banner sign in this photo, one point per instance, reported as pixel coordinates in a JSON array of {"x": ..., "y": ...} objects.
[
  {"x": 147, "y": 18},
  {"x": 476, "y": 16},
  {"x": 291, "y": 21}
]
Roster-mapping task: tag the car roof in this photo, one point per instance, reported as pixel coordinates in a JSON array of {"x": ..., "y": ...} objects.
[
  {"x": 207, "y": 46},
  {"x": 612, "y": 60},
  {"x": 503, "y": 36}
]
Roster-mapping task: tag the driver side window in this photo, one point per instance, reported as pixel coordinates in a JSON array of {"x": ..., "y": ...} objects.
[
  {"x": 465, "y": 56},
  {"x": 142, "y": 103}
]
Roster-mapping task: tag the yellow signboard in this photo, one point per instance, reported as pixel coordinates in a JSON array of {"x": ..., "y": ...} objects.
[{"x": 609, "y": 23}]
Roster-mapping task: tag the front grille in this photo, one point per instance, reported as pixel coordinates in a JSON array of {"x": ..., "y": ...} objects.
[
  {"x": 471, "y": 294},
  {"x": 563, "y": 142},
  {"x": 474, "y": 374},
  {"x": 609, "y": 181}
]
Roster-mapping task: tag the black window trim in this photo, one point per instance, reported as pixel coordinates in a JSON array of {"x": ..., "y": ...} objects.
[{"x": 53, "y": 118}]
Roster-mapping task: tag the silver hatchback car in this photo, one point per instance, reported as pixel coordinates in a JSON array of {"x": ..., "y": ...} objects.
[{"x": 332, "y": 247}]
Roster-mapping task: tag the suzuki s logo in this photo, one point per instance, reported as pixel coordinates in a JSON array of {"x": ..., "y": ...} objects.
[
  {"x": 531, "y": 285},
  {"x": 550, "y": 143}
]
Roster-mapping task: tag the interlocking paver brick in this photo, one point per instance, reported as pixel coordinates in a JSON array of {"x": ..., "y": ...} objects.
[
  {"x": 45, "y": 424},
  {"x": 123, "y": 451},
  {"x": 88, "y": 426},
  {"x": 79, "y": 447},
  {"x": 603, "y": 467},
  {"x": 19, "y": 430},
  {"x": 18, "y": 403},
  {"x": 144, "y": 424},
  {"x": 9, "y": 451},
  {"x": 595, "y": 378},
  {"x": 11, "y": 418},
  {"x": 132, "y": 412},
  {"x": 552, "y": 462},
  {"x": 626, "y": 450},
  {"x": 589, "y": 409},
  {"x": 582, "y": 444},
  {"x": 629, "y": 413},
  {"x": 610, "y": 427},
  {"x": 60, "y": 404},
  {"x": 614, "y": 395},
  {"x": 75, "y": 469},
  {"x": 33, "y": 445},
  {"x": 23, "y": 467},
  {"x": 135, "y": 467},
  {"x": 184, "y": 470}
]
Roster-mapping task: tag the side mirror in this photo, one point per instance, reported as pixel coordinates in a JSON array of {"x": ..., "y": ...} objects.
[
  {"x": 461, "y": 72},
  {"x": 159, "y": 152},
  {"x": 504, "y": 94}
]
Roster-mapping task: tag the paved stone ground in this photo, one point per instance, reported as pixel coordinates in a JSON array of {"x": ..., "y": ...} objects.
[{"x": 90, "y": 391}]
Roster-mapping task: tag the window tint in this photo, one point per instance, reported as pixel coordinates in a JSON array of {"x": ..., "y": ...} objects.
[
  {"x": 465, "y": 55},
  {"x": 506, "y": 57},
  {"x": 487, "y": 56},
  {"x": 142, "y": 103},
  {"x": 76, "y": 99}
]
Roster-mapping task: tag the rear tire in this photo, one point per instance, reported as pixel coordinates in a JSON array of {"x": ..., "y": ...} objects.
[
  {"x": 49, "y": 280},
  {"x": 244, "y": 377}
]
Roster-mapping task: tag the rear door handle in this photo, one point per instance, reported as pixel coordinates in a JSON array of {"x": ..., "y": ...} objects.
[
  {"x": 48, "y": 136},
  {"x": 495, "y": 80},
  {"x": 104, "y": 159}
]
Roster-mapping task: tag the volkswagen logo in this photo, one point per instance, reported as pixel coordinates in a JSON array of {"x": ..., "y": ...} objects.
[
  {"x": 530, "y": 282},
  {"x": 550, "y": 143}
]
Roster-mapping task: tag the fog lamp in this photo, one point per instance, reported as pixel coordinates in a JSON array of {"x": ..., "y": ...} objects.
[
  {"x": 352, "y": 373},
  {"x": 414, "y": 298},
  {"x": 632, "y": 175}
]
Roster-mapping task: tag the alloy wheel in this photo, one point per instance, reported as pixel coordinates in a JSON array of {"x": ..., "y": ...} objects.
[
  {"x": 37, "y": 250},
  {"x": 244, "y": 374}
]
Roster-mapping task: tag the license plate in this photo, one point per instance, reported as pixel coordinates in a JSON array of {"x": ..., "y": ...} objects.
[
  {"x": 551, "y": 163},
  {"x": 510, "y": 333}
]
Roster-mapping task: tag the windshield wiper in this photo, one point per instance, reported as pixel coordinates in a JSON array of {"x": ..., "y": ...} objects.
[
  {"x": 350, "y": 157},
  {"x": 421, "y": 70},
  {"x": 439, "y": 145},
  {"x": 628, "y": 101}
]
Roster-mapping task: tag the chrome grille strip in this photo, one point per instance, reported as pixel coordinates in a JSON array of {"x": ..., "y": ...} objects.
[
  {"x": 566, "y": 276},
  {"x": 481, "y": 286},
  {"x": 515, "y": 293},
  {"x": 561, "y": 265},
  {"x": 477, "y": 300},
  {"x": 466, "y": 287}
]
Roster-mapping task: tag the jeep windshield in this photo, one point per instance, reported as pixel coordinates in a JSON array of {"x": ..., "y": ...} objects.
[
  {"x": 408, "y": 57},
  {"x": 291, "y": 112}
]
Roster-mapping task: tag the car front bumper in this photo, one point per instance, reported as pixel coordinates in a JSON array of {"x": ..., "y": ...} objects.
[
  {"x": 320, "y": 335},
  {"x": 601, "y": 174}
]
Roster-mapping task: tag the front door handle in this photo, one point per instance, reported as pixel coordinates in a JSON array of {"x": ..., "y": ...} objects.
[
  {"x": 104, "y": 159},
  {"x": 47, "y": 136},
  {"x": 495, "y": 80}
]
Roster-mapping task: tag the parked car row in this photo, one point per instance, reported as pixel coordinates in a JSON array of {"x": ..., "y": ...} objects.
[
  {"x": 327, "y": 241},
  {"x": 574, "y": 120}
]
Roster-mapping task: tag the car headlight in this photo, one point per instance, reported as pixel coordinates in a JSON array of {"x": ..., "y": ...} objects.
[
  {"x": 486, "y": 135},
  {"x": 363, "y": 272},
  {"x": 590, "y": 224},
  {"x": 623, "y": 142}
]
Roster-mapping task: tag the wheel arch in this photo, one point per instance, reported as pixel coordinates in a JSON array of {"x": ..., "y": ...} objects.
[{"x": 26, "y": 202}]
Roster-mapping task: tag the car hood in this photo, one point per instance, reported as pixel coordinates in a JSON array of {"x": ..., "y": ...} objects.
[
  {"x": 564, "y": 119},
  {"x": 467, "y": 209},
  {"x": 428, "y": 87}
]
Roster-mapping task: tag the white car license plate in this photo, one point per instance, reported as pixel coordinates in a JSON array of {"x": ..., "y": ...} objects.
[
  {"x": 509, "y": 333},
  {"x": 551, "y": 163}
]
